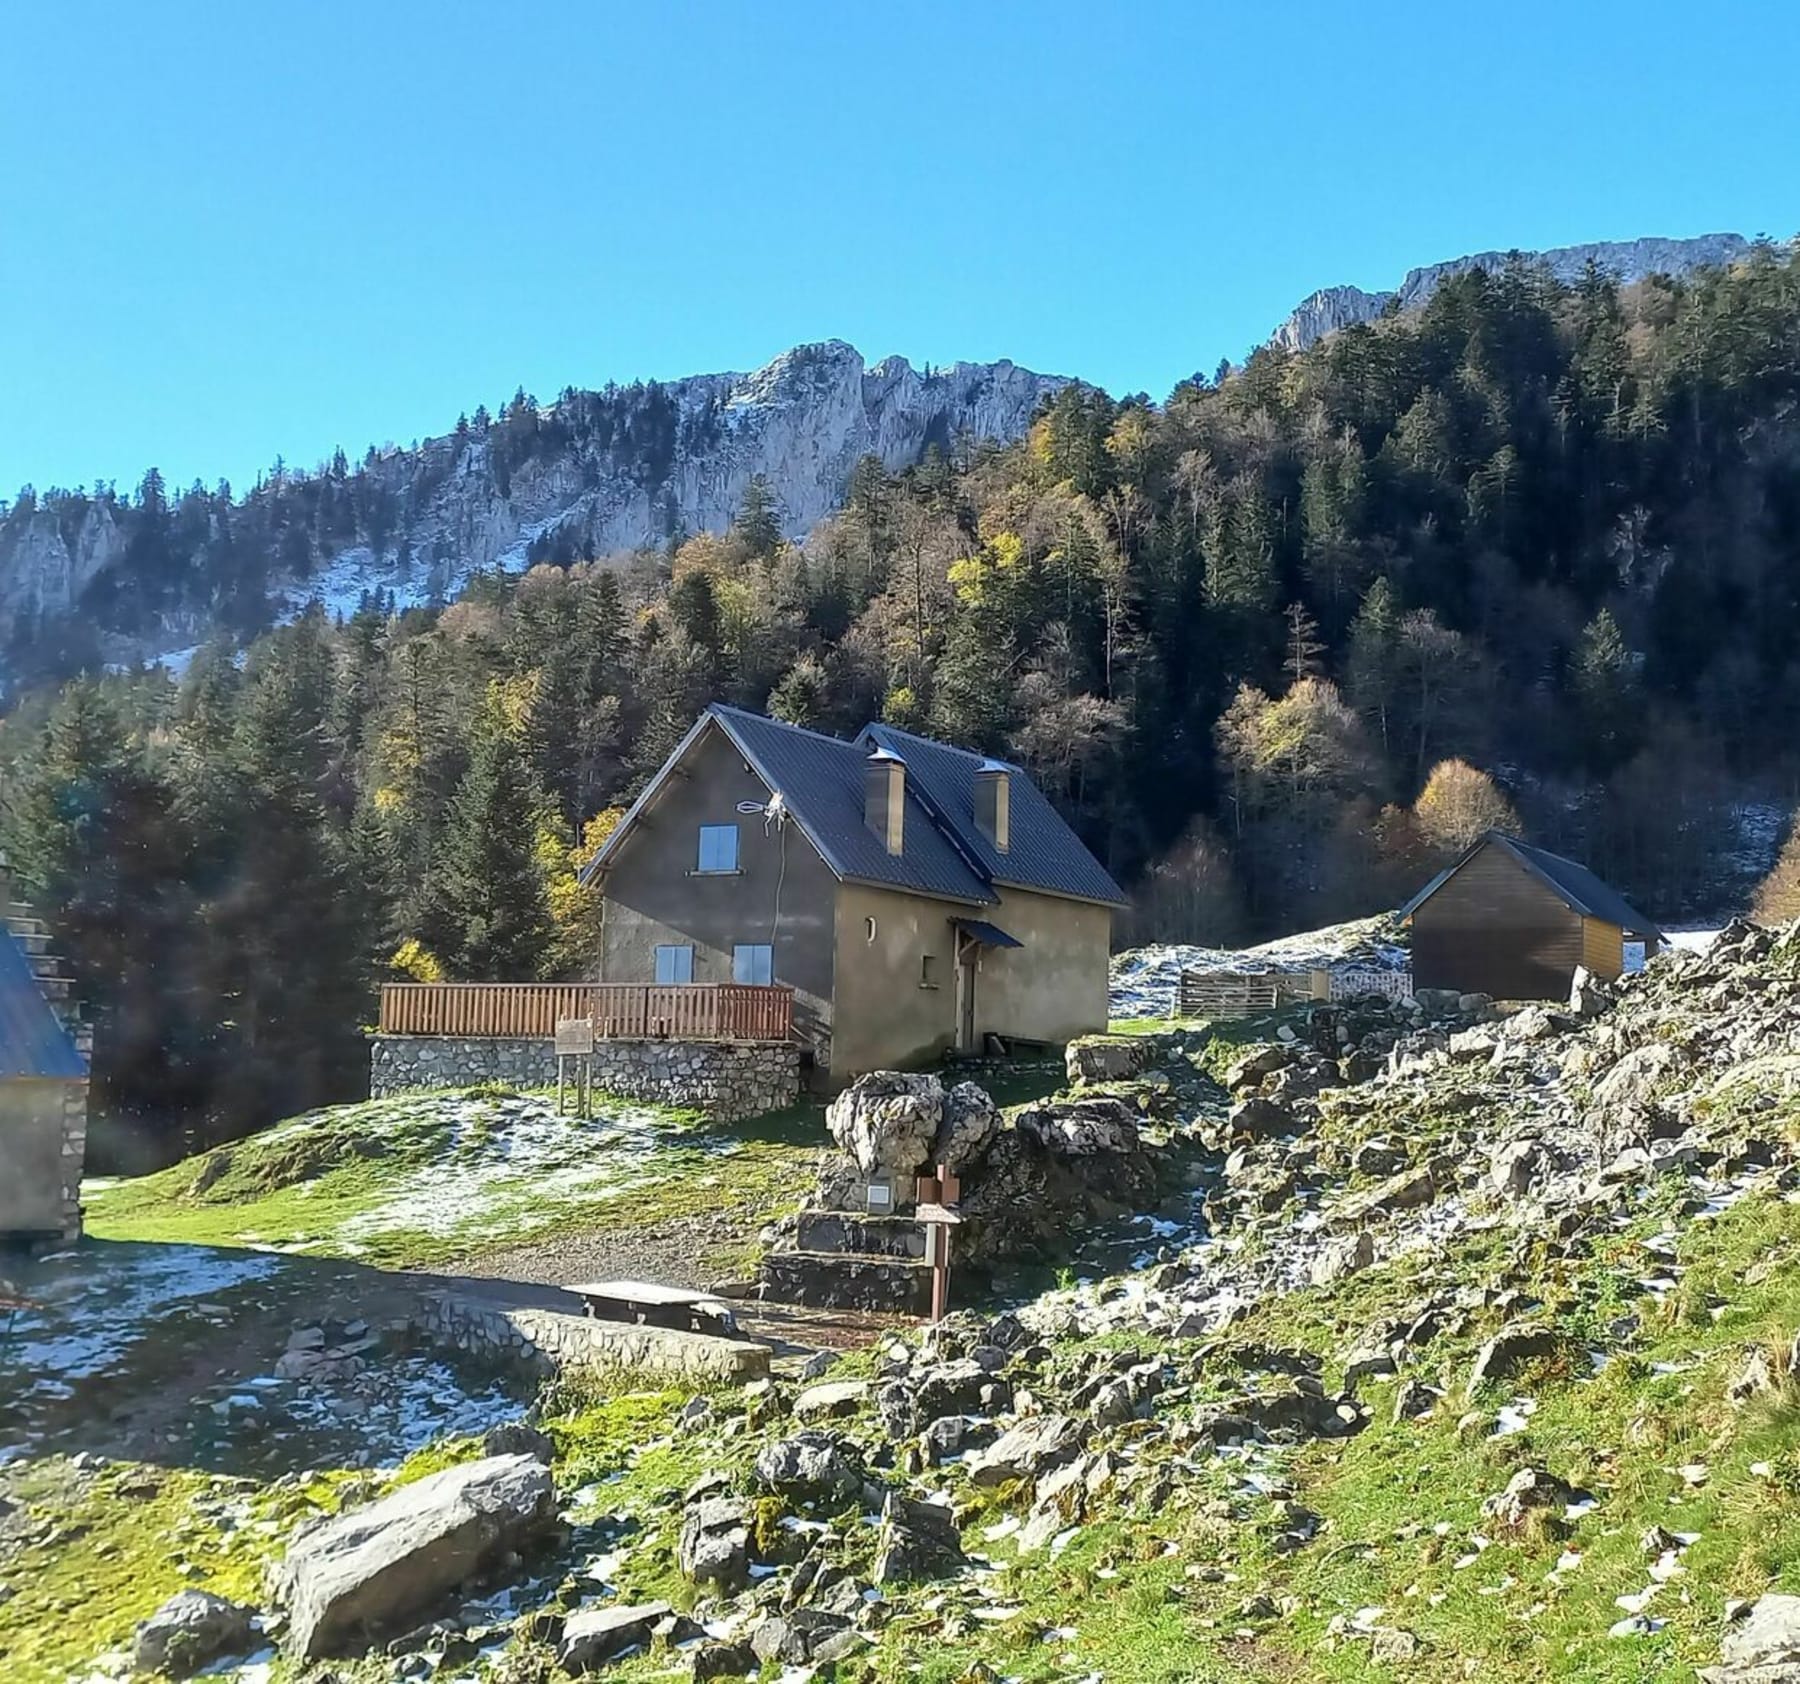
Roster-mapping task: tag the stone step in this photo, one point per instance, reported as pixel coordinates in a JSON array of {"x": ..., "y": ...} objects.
[
  {"x": 34, "y": 942},
  {"x": 845, "y": 1281},
  {"x": 840, "y": 1231},
  {"x": 26, "y": 923}
]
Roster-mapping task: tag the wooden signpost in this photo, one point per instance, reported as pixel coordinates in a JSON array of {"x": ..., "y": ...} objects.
[
  {"x": 937, "y": 1195},
  {"x": 575, "y": 1041}
]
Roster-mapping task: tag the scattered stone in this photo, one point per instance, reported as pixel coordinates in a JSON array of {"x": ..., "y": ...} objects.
[
  {"x": 809, "y": 1467},
  {"x": 917, "y": 1541},
  {"x": 190, "y": 1631},
  {"x": 831, "y": 1401},
  {"x": 596, "y": 1637},
  {"x": 1108, "y": 1058},
  {"x": 724, "y": 1660},
  {"x": 713, "y": 1548},
  {"x": 1508, "y": 1351},
  {"x": 519, "y": 1438},
  {"x": 1028, "y": 1450}
]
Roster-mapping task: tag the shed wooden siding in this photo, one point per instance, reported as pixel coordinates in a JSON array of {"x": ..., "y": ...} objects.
[
  {"x": 1495, "y": 928},
  {"x": 1602, "y": 947}
]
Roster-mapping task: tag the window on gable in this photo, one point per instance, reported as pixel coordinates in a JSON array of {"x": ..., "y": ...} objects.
[
  {"x": 674, "y": 965},
  {"x": 751, "y": 962},
  {"x": 718, "y": 847}
]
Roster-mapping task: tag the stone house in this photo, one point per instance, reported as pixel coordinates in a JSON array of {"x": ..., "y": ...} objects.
[
  {"x": 916, "y": 897},
  {"x": 43, "y": 1086}
]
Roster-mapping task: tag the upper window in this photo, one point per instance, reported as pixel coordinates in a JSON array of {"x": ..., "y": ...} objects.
[
  {"x": 674, "y": 965},
  {"x": 753, "y": 963},
  {"x": 718, "y": 847}
]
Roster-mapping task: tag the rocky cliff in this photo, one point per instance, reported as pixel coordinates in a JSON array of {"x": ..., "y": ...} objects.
[
  {"x": 1332, "y": 308},
  {"x": 592, "y": 473}
]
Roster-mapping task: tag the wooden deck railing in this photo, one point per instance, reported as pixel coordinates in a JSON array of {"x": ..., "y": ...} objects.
[{"x": 726, "y": 1011}]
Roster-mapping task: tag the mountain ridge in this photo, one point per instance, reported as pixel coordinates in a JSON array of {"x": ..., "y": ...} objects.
[
  {"x": 592, "y": 473},
  {"x": 1335, "y": 307}
]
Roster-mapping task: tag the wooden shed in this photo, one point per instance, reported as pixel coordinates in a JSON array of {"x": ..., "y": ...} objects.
[{"x": 1514, "y": 921}]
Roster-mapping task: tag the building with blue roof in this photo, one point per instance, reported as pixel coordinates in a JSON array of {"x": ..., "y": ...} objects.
[{"x": 917, "y": 897}]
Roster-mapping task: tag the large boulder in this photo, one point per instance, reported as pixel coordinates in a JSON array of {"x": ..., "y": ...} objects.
[
  {"x": 1081, "y": 1128},
  {"x": 887, "y": 1121},
  {"x": 191, "y": 1630},
  {"x": 971, "y": 1120},
  {"x": 380, "y": 1569},
  {"x": 1108, "y": 1058}
]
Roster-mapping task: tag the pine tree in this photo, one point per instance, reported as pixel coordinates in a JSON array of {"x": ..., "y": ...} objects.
[
  {"x": 1606, "y": 692},
  {"x": 1372, "y": 668},
  {"x": 758, "y": 523},
  {"x": 487, "y": 917},
  {"x": 1303, "y": 648}
]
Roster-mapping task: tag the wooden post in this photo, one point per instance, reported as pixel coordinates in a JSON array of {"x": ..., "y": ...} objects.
[{"x": 938, "y": 1195}]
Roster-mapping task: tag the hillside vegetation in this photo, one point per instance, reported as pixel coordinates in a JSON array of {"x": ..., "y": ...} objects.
[
  {"x": 1277, "y": 646},
  {"x": 1485, "y": 1366}
]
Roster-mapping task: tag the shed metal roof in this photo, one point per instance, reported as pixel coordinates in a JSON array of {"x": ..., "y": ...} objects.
[
  {"x": 1576, "y": 886},
  {"x": 33, "y": 1042}
]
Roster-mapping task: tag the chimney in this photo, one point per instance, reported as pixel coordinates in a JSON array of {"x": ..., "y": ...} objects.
[
  {"x": 884, "y": 798},
  {"x": 993, "y": 803}
]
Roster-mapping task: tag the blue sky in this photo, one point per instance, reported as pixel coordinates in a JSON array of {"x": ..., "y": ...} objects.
[{"x": 228, "y": 233}]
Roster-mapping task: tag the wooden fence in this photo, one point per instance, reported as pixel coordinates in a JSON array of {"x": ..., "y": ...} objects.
[
  {"x": 1244, "y": 993},
  {"x": 726, "y": 1011}
]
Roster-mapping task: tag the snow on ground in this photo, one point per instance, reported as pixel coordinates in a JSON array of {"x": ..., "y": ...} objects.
[
  {"x": 1144, "y": 979},
  {"x": 1696, "y": 940},
  {"x": 511, "y": 1163},
  {"x": 89, "y": 1308}
]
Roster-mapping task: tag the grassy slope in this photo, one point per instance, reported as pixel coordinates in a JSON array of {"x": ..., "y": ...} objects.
[{"x": 336, "y": 1182}]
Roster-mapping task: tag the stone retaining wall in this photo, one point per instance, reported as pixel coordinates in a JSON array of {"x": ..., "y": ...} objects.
[
  {"x": 540, "y": 1343},
  {"x": 725, "y": 1079}
]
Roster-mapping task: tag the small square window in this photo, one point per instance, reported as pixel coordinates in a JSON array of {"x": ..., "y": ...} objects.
[
  {"x": 674, "y": 965},
  {"x": 718, "y": 847},
  {"x": 753, "y": 963}
]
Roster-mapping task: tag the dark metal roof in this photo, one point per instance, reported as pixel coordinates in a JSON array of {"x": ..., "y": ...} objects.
[
  {"x": 989, "y": 935},
  {"x": 1577, "y": 887},
  {"x": 1043, "y": 852},
  {"x": 33, "y": 1041},
  {"x": 821, "y": 781}
]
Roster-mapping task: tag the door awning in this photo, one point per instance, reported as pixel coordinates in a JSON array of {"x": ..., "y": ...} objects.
[{"x": 988, "y": 935}]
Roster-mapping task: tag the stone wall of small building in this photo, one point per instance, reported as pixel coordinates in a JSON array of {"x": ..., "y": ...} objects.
[{"x": 728, "y": 1080}]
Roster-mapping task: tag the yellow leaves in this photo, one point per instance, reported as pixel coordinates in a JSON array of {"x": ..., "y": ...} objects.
[
  {"x": 414, "y": 960},
  {"x": 511, "y": 698},
  {"x": 596, "y": 832},
  {"x": 974, "y": 578},
  {"x": 1131, "y": 441},
  {"x": 901, "y": 707},
  {"x": 1040, "y": 442},
  {"x": 387, "y": 799}
]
